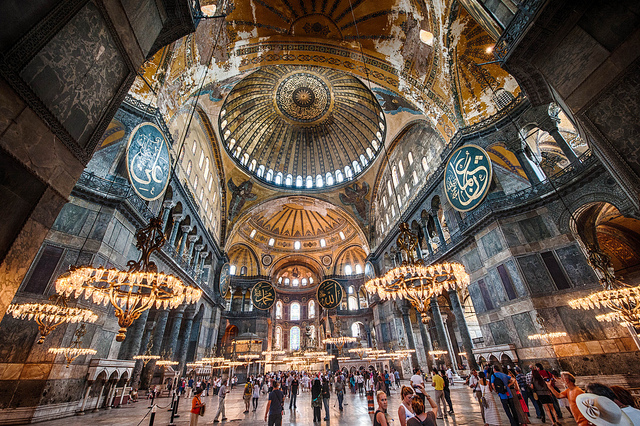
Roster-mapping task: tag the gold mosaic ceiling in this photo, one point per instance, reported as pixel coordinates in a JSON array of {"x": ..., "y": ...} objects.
[{"x": 320, "y": 124}]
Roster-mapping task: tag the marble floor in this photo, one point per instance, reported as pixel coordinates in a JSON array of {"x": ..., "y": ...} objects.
[{"x": 467, "y": 412}]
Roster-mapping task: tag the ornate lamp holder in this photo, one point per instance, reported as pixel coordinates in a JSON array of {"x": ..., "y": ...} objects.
[
  {"x": 414, "y": 281},
  {"x": 74, "y": 351},
  {"x": 134, "y": 291},
  {"x": 50, "y": 315}
]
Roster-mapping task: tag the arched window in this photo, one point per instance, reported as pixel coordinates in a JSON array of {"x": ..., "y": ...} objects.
[
  {"x": 401, "y": 167},
  {"x": 201, "y": 194},
  {"x": 410, "y": 158},
  {"x": 309, "y": 182},
  {"x": 415, "y": 177},
  {"x": 347, "y": 172},
  {"x": 237, "y": 152},
  {"x": 286, "y": 281},
  {"x": 232, "y": 270},
  {"x": 189, "y": 165},
  {"x": 362, "y": 295},
  {"x": 299, "y": 181},
  {"x": 339, "y": 176},
  {"x": 201, "y": 161},
  {"x": 232, "y": 142},
  {"x": 296, "y": 282},
  {"x": 210, "y": 184},
  {"x": 350, "y": 290},
  {"x": 319, "y": 181},
  {"x": 394, "y": 176},
  {"x": 356, "y": 166},
  {"x": 278, "y": 180},
  {"x": 289, "y": 180},
  {"x": 363, "y": 160},
  {"x": 260, "y": 170},
  {"x": 425, "y": 165},
  {"x": 347, "y": 269},
  {"x": 304, "y": 281},
  {"x": 278, "y": 338},
  {"x": 252, "y": 167},
  {"x": 245, "y": 159},
  {"x": 406, "y": 189},
  {"x": 389, "y": 189},
  {"x": 206, "y": 168},
  {"x": 194, "y": 147},
  {"x": 294, "y": 338},
  {"x": 269, "y": 175},
  {"x": 358, "y": 269},
  {"x": 312, "y": 309},
  {"x": 374, "y": 144},
  {"x": 278, "y": 309},
  {"x": 393, "y": 211},
  {"x": 384, "y": 201},
  {"x": 195, "y": 183},
  {"x": 353, "y": 303},
  {"x": 294, "y": 311},
  {"x": 355, "y": 330},
  {"x": 329, "y": 178},
  {"x": 369, "y": 153},
  {"x": 312, "y": 332}
]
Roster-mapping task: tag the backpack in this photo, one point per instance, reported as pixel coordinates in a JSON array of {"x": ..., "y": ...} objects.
[{"x": 498, "y": 385}]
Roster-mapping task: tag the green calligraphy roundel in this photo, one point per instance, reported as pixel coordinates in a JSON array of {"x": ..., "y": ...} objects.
[
  {"x": 329, "y": 294},
  {"x": 263, "y": 295},
  {"x": 467, "y": 177},
  {"x": 148, "y": 161}
]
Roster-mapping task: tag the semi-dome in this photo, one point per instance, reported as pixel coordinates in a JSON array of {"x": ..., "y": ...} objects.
[{"x": 303, "y": 127}]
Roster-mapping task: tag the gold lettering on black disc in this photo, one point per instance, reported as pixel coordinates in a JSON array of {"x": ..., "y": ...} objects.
[
  {"x": 329, "y": 294},
  {"x": 263, "y": 295}
]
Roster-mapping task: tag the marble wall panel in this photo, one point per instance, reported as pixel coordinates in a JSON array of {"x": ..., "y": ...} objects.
[
  {"x": 66, "y": 390},
  {"x": 524, "y": 327},
  {"x": 492, "y": 243},
  {"x": 71, "y": 219},
  {"x": 576, "y": 266},
  {"x": 500, "y": 333},
  {"x": 495, "y": 287},
  {"x": 473, "y": 261},
  {"x": 536, "y": 274},
  {"x": 78, "y": 72},
  {"x": 510, "y": 232},
  {"x": 17, "y": 337},
  {"x": 476, "y": 298},
  {"x": 21, "y": 393},
  {"x": 516, "y": 278},
  {"x": 534, "y": 229},
  {"x": 581, "y": 325}
]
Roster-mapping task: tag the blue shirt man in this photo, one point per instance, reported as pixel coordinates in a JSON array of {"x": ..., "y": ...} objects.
[
  {"x": 505, "y": 398},
  {"x": 505, "y": 380}
]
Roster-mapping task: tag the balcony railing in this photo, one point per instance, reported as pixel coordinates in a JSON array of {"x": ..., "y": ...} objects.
[{"x": 527, "y": 11}]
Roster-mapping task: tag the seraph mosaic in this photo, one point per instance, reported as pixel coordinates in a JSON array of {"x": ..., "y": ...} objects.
[{"x": 148, "y": 162}]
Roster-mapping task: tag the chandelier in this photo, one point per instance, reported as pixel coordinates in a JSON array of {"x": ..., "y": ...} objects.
[
  {"x": 74, "y": 351},
  {"x": 547, "y": 335},
  {"x": 166, "y": 363},
  {"x": 50, "y": 315},
  {"x": 414, "y": 281},
  {"x": 621, "y": 299},
  {"x": 437, "y": 353},
  {"x": 134, "y": 291},
  {"x": 146, "y": 358}
]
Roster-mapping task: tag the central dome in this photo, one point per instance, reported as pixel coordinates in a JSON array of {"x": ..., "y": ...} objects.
[{"x": 302, "y": 126}]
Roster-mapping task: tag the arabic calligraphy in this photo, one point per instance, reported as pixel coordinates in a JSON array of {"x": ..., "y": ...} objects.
[
  {"x": 263, "y": 295},
  {"x": 148, "y": 162},
  {"x": 467, "y": 177},
  {"x": 224, "y": 279},
  {"x": 329, "y": 294}
]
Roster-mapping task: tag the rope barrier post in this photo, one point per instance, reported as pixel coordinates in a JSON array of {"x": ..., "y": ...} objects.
[
  {"x": 173, "y": 400},
  {"x": 173, "y": 412},
  {"x": 153, "y": 416},
  {"x": 153, "y": 398}
]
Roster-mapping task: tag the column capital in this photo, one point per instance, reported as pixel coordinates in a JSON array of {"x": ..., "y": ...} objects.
[
  {"x": 193, "y": 238},
  {"x": 186, "y": 228},
  {"x": 168, "y": 204},
  {"x": 177, "y": 217},
  {"x": 199, "y": 247}
]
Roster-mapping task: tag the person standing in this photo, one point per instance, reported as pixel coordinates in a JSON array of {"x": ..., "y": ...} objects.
[
  {"x": 246, "y": 395},
  {"x": 446, "y": 391},
  {"x": 547, "y": 376},
  {"x": 423, "y": 418},
  {"x": 405, "y": 410},
  {"x": 438, "y": 384},
  {"x": 380, "y": 416},
  {"x": 545, "y": 397},
  {"x": 450, "y": 376},
  {"x": 196, "y": 406},
  {"x": 536, "y": 404},
  {"x": 501, "y": 383},
  {"x": 396, "y": 376},
  {"x": 255, "y": 394},
  {"x": 491, "y": 415},
  {"x": 275, "y": 406},
  {"x": 524, "y": 388},
  {"x": 316, "y": 399},
  {"x": 477, "y": 392},
  {"x": 417, "y": 380},
  {"x": 339, "y": 391},
  {"x": 326, "y": 394},
  {"x": 222, "y": 393},
  {"x": 571, "y": 393},
  {"x": 295, "y": 384}
]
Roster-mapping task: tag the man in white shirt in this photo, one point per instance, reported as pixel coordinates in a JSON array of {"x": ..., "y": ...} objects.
[
  {"x": 416, "y": 380},
  {"x": 222, "y": 393}
]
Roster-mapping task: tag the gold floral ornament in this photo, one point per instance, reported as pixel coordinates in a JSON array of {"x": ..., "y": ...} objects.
[
  {"x": 134, "y": 291},
  {"x": 413, "y": 280},
  {"x": 50, "y": 315}
]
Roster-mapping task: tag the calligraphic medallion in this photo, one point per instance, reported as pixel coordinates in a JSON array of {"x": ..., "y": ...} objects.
[
  {"x": 467, "y": 177},
  {"x": 225, "y": 279},
  {"x": 263, "y": 295},
  {"x": 148, "y": 161},
  {"x": 329, "y": 294}
]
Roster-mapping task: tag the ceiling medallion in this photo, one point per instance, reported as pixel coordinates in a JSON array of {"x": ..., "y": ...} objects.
[{"x": 303, "y": 97}]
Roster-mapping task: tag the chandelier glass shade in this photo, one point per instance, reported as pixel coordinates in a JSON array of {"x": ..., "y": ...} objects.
[
  {"x": 624, "y": 303},
  {"x": 166, "y": 363},
  {"x": 146, "y": 358},
  {"x": 133, "y": 291},
  {"x": 50, "y": 315},
  {"x": 339, "y": 341},
  {"x": 72, "y": 353},
  {"x": 413, "y": 280},
  {"x": 547, "y": 335}
]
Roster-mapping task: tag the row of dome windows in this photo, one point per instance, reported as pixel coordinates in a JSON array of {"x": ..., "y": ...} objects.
[
  {"x": 297, "y": 245},
  {"x": 295, "y": 282},
  {"x": 294, "y": 310},
  {"x": 203, "y": 163}
]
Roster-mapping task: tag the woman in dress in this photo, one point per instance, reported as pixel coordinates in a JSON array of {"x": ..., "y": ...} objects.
[
  {"x": 544, "y": 396},
  {"x": 405, "y": 411},
  {"x": 316, "y": 400},
  {"x": 491, "y": 414},
  {"x": 518, "y": 402}
]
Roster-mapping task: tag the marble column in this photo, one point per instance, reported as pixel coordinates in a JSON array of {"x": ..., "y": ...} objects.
[
  {"x": 184, "y": 346},
  {"x": 467, "y": 343},
  {"x": 427, "y": 237},
  {"x": 137, "y": 369},
  {"x": 451, "y": 349},
  {"x": 202, "y": 260},
  {"x": 174, "y": 231},
  {"x": 167, "y": 206},
  {"x": 196, "y": 258},
  {"x": 175, "y": 332},
  {"x": 192, "y": 246},
  {"x": 426, "y": 343},
  {"x": 131, "y": 344},
  {"x": 406, "y": 321},
  {"x": 436, "y": 221},
  {"x": 437, "y": 319},
  {"x": 183, "y": 241},
  {"x": 244, "y": 296},
  {"x": 526, "y": 166},
  {"x": 564, "y": 146},
  {"x": 158, "y": 336}
]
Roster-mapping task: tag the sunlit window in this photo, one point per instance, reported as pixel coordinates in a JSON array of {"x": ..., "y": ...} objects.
[
  {"x": 394, "y": 176},
  {"x": 286, "y": 281},
  {"x": 329, "y": 179},
  {"x": 278, "y": 180},
  {"x": 189, "y": 165},
  {"x": 296, "y": 245},
  {"x": 195, "y": 183},
  {"x": 294, "y": 311},
  {"x": 347, "y": 269},
  {"x": 269, "y": 175},
  {"x": 304, "y": 281},
  {"x": 253, "y": 233},
  {"x": 401, "y": 167},
  {"x": 295, "y": 282},
  {"x": 369, "y": 153},
  {"x": 425, "y": 165},
  {"x": 289, "y": 180},
  {"x": 201, "y": 161},
  {"x": 294, "y": 338},
  {"x": 355, "y": 330},
  {"x": 319, "y": 182},
  {"x": 341, "y": 235},
  {"x": 415, "y": 177},
  {"x": 278, "y": 309},
  {"x": 358, "y": 269},
  {"x": 323, "y": 243},
  {"x": 353, "y": 303},
  {"x": 356, "y": 166},
  {"x": 410, "y": 158},
  {"x": 347, "y": 172},
  {"x": 272, "y": 242},
  {"x": 194, "y": 147},
  {"x": 278, "y": 336},
  {"x": 260, "y": 171},
  {"x": 252, "y": 167},
  {"x": 232, "y": 270},
  {"x": 309, "y": 182},
  {"x": 206, "y": 168},
  {"x": 312, "y": 309},
  {"x": 338, "y": 176}
]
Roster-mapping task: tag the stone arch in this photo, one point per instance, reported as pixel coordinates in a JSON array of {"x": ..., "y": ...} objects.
[{"x": 242, "y": 255}]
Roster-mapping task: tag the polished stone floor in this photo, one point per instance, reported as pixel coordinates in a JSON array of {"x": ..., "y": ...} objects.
[{"x": 467, "y": 412}]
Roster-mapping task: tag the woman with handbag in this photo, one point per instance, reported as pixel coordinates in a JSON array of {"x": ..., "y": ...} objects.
[
  {"x": 488, "y": 400},
  {"x": 197, "y": 408},
  {"x": 521, "y": 409}
]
